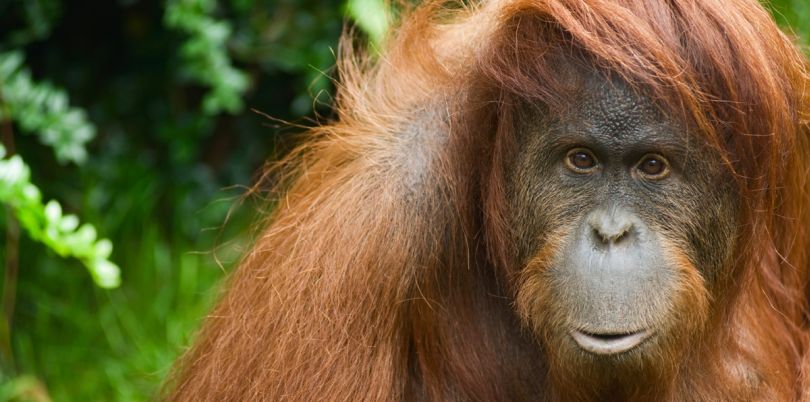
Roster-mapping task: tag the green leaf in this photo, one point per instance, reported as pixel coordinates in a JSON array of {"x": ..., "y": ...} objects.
[
  {"x": 104, "y": 248},
  {"x": 47, "y": 224},
  {"x": 42, "y": 109},
  {"x": 371, "y": 16},
  {"x": 13, "y": 171},
  {"x": 53, "y": 212},
  {"x": 105, "y": 273},
  {"x": 205, "y": 54},
  {"x": 69, "y": 223},
  {"x": 86, "y": 234}
]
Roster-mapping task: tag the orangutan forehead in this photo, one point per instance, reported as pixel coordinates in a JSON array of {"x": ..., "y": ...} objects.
[
  {"x": 609, "y": 108},
  {"x": 602, "y": 107}
]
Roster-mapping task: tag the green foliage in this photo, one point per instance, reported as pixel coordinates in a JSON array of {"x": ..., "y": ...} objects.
[
  {"x": 371, "y": 16},
  {"x": 45, "y": 223},
  {"x": 205, "y": 53},
  {"x": 293, "y": 38},
  {"x": 157, "y": 177},
  {"x": 794, "y": 15},
  {"x": 38, "y": 17},
  {"x": 43, "y": 109},
  {"x": 23, "y": 388}
]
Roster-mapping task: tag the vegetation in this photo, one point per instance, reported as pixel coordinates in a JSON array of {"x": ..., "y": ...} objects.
[{"x": 131, "y": 123}]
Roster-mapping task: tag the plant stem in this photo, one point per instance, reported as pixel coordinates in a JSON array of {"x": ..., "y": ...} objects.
[{"x": 11, "y": 261}]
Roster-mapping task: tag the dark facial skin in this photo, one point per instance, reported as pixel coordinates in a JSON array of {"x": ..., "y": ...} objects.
[{"x": 626, "y": 207}]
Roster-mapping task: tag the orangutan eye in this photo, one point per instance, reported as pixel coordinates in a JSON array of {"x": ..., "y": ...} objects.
[
  {"x": 653, "y": 167},
  {"x": 580, "y": 160}
]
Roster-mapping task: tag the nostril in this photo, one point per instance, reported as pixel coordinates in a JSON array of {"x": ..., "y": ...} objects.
[
  {"x": 625, "y": 233},
  {"x": 619, "y": 235},
  {"x": 599, "y": 237}
]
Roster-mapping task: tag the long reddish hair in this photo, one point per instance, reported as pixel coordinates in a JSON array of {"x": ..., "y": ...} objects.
[{"x": 386, "y": 272}]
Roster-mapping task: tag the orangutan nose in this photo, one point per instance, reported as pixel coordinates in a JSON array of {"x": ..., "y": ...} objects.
[{"x": 611, "y": 226}]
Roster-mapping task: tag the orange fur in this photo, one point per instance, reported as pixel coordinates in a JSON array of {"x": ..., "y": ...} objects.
[{"x": 385, "y": 273}]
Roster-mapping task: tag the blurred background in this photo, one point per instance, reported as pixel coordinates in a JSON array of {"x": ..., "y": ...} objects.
[{"x": 131, "y": 131}]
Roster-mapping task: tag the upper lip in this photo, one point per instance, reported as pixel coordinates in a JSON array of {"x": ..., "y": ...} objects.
[{"x": 609, "y": 343}]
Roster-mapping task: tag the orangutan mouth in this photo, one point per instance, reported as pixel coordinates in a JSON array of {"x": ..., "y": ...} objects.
[{"x": 609, "y": 343}]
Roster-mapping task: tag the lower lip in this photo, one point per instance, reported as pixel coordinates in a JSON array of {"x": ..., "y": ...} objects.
[{"x": 609, "y": 344}]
